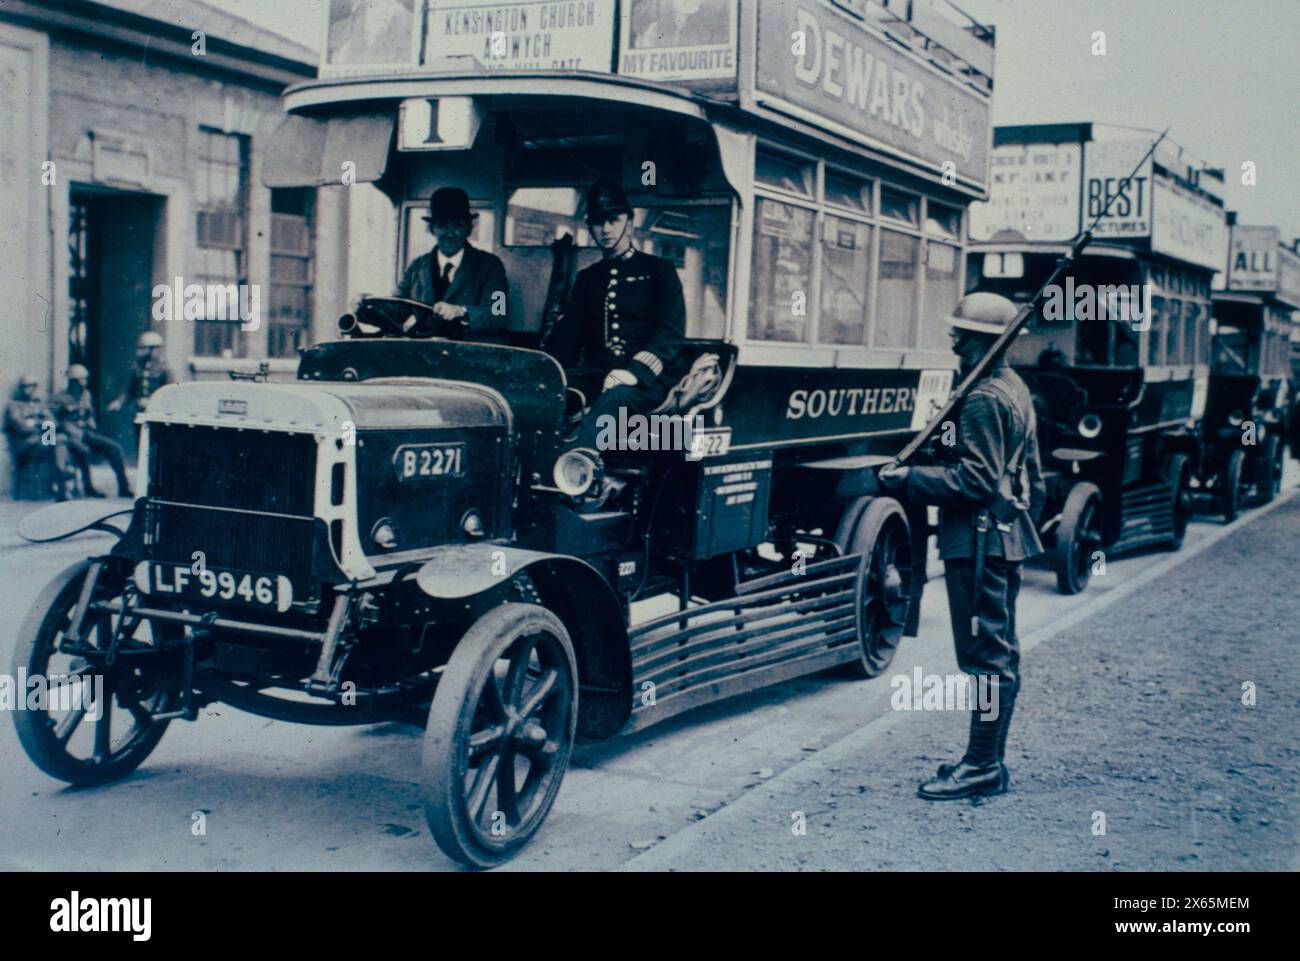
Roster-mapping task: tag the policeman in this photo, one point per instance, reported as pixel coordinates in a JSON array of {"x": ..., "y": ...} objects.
[
  {"x": 620, "y": 337},
  {"x": 988, "y": 492},
  {"x": 465, "y": 286},
  {"x": 27, "y": 421},
  {"x": 75, "y": 408}
]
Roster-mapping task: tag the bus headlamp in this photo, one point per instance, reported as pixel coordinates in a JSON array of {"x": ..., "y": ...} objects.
[
  {"x": 577, "y": 471},
  {"x": 1090, "y": 426}
]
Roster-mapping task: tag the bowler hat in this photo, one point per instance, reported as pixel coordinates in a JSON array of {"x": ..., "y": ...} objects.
[
  {"x": 449, "y": 204},
  {"x": 606, "y": 199},
  {"x": 983, "y": 313}
]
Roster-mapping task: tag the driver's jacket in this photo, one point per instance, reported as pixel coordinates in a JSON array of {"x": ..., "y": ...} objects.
[{"x": 995, "y": 425}]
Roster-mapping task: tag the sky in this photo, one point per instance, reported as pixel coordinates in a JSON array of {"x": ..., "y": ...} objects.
[{"x": 1224, "y": 73}]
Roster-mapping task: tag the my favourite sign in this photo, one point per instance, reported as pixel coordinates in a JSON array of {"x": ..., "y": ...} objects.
[{"x": 678, "y": 39}]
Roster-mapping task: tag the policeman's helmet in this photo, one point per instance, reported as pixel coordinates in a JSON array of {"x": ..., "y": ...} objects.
[
  {"x": 605, "y": 201},
  {"x": 150, "y": 338},
  {"x": 983, "y": 313},
  {"x": 78, "y": 372}
]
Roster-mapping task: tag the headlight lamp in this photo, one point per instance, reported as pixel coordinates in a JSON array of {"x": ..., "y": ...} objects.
[
  {"x": 577, "y": 471},
  {"x": 1089, "y": 426}
]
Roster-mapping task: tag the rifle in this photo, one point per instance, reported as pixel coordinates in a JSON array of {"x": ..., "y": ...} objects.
[{"x": 1027, "y": 310}]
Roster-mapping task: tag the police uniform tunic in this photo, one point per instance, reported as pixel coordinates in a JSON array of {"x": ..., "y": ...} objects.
[{"x": 625, "y": 313}]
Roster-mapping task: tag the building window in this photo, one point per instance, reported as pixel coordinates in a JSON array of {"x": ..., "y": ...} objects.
[
  {"x": 221, "y": 226},
  {"x": 781, "y": 290},
  {"x": 289, "y": 312}
]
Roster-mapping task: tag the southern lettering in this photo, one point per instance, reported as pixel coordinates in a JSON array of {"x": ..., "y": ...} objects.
[{"x": 849, "y": 402}]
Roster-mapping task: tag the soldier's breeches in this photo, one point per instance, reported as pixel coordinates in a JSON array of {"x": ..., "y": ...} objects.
[{"x": 994, "y": 649}]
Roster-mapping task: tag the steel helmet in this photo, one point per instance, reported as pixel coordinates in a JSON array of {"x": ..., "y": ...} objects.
[
  {"x": 150, "y": 339},
  {"x": 984, "y": 313},
  {"x": 78, "y": 372},
  {"x": 28, "y": 380}
]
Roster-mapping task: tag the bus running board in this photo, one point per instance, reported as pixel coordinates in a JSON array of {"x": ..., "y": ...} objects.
[{"x": 777, "y": 627}]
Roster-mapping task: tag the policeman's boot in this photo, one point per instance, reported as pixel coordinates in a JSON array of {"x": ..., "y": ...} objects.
[{"x": 980, "y": 771}]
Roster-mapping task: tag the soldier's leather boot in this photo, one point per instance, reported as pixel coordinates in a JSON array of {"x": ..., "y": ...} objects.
[{"x": 981, "y": 771}]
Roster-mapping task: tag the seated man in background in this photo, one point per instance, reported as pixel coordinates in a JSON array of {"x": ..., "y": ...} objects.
[
  {"x": 76, "y": 412},
  {"x": 620, "y": 337},
  {"x": 465, "y": 286},
  {"x": 28, "y": 420}
]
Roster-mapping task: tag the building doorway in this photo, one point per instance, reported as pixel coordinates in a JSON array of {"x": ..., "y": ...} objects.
[{"x": 113, "y": 248}]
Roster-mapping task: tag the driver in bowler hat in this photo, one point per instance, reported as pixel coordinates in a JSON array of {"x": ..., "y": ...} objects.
[{"x": 463, "y": 285}]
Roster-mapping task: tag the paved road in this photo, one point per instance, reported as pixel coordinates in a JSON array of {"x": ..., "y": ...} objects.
[
  {"x": 281, "y": 796},
  {"x": 1135, "y": 748}
]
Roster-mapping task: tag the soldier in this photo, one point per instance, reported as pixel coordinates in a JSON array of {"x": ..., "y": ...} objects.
[
  {"x": 75, "y": 408},
  {"x": 620, "y": 337},
  {"x": 149, "y": 374},
  {"x": 27, "y": 419},
  {"x": 988, "y": 493},
  {"x": 463, "y": 285}
]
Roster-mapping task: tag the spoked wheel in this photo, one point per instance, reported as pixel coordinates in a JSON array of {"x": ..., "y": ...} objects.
[
  {"x": 95, "y": 723},
  {"x": 884, "y": 584},
  {"x": 1268, "y": 480},
  {"x": 1232, "y": 485},
  {"x": 500, "y": 733},
  {"x": 1077, "y": 538},
  {"x": 1178, "y": 471}
]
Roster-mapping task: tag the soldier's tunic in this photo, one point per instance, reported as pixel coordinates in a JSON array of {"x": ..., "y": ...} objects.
[
  {"x": 994, "y": 423},
  {"x": 625, "y": 313}
]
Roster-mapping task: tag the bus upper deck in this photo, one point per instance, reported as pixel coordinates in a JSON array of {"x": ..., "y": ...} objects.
[{"x": 813, "y": 196}]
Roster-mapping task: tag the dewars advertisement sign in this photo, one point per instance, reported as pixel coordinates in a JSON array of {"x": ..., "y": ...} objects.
[
  {"x": 1033, "y": 190},
  {"x": 819, "y": 64}
]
